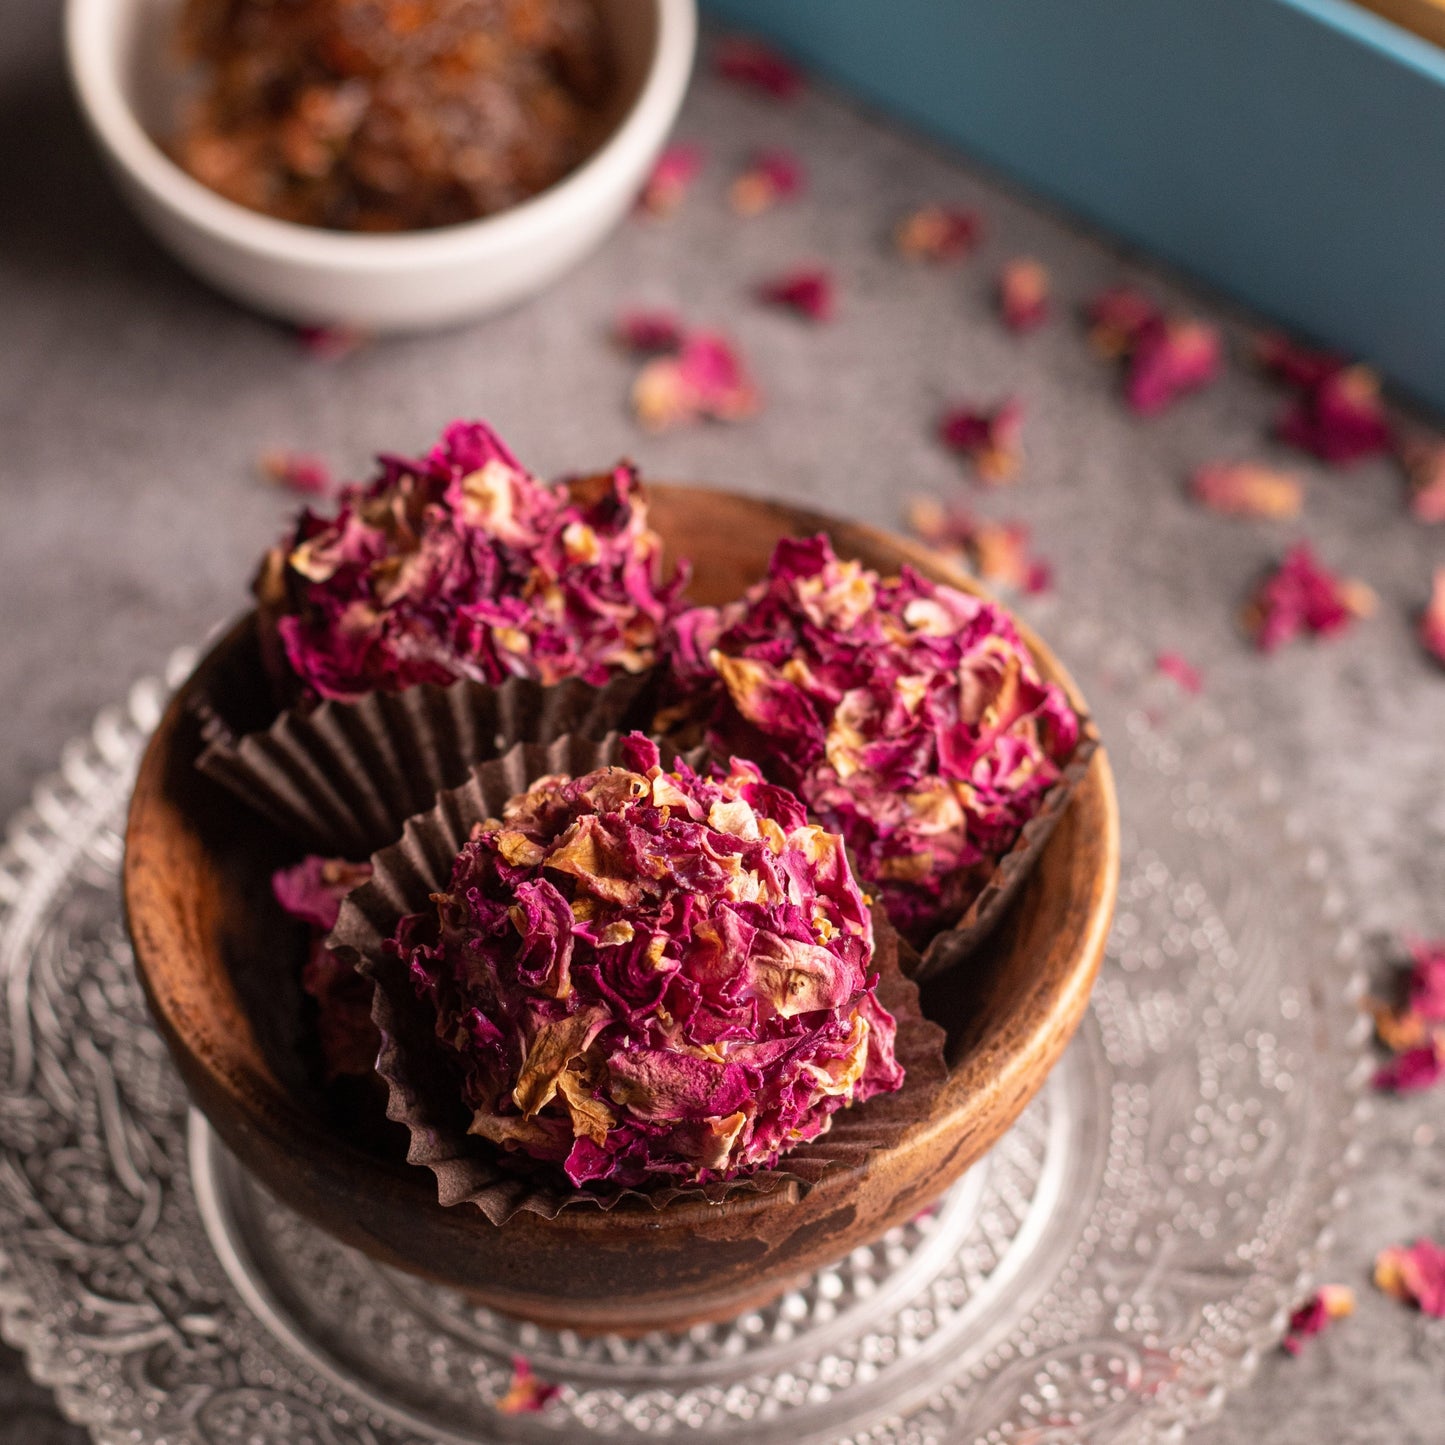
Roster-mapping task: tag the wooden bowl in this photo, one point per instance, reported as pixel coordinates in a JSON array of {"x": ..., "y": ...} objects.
[{"x": 208, "y": 944}]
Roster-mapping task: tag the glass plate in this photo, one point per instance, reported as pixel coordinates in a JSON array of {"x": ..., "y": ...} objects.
[{"x": 1106, "y": 1274}]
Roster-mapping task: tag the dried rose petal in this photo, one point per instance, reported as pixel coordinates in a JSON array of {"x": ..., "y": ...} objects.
[
  {"x": 996, "y": 552},
  {"x": 990, "y": 439},
  {"x": 1117, "y": 318},
  {"x": 331, "y": 343},
  {"x": 938, "y": 233},
  {"x": 1169, "y": 359},
  {"x": 1432, "y": 620},
  {"x": 769, "y": 177},
  {"x": 1328, "y": 1303},
  {"x": 1173, "y": 665},
  {"x": 1424, "y": 459},
  {"x": 1023, "y": 294},
  {"x": 809, "y": 291},
  {"x": 646, "y": 333},
  {"x": 1414, "y": 1069},
  {"x": 643, "y": 974},
  {"x": 1341, "y": 419},
  {"x": 311, "y": 892},
  {"x": 297, "y": 472},
  {"x": 1427, "y": 980},
  {"x": 705, "y": 379},
  {"x": 908, "y": 715},
  {"x": 1295, "y": 365},
  {"x": 670, "y": 180},
  {"x": 526, "y": 1393},
  {"x": 1248, "y": 489},
  {"x": 1415, "y": 1275},
  {"x": 460, "y": 564},
  {"x": 1301, "y": 596},
  {"x": 750, "y": 63}
]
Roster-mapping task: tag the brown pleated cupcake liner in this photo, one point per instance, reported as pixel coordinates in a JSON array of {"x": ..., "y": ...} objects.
[
  {"x": 342, "y": 778},
  {"x": 954, "y": 945},
  {"x": 423, "y": 1087}
]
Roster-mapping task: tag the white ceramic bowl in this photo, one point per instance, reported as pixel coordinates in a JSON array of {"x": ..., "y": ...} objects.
[{"x": 125, "y": 77}]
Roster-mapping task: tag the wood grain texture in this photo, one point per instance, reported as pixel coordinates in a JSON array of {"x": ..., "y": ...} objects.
[{"x": 210, "y": 946}]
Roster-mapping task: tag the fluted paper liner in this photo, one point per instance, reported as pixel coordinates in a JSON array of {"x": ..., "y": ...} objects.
[
  {"x": 953, "y": 945},
  {"x": 342, "y": 778},
  {"x": 424, "y": 1094}
]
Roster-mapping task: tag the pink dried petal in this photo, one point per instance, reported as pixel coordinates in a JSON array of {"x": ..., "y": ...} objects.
[
  {"x": 297, "y": 472},
  {"x": 1432, "y": 620},
  {"x": 670, "y": 180},
  {"x": 1301, "y": 596},
  {"x": 769, "y": 177},
  {"x": 1023, "y": 294},
  {"x": 938, "y": 233},
  {"x": 990, "y": 439},
  {"x": 1293, "y": 364},
  {"x": 1427, "y": 980},
  {"x": 1248, "y": 489},
  {"x": 527, "y": 1393},
  {"x": 1340, "y": 420},
  {"x": 810, "y": 292},
  {"x": 1170, "y": 359},
  {"x": 1173, "y": 665},
  {"x": 646, "y": 333},
  {"x": 759, "y": 67},
  {"x": 1328, "y": 1303},
  {"x": 1415, "y": 1275},
  {"x": 1117, "y": 318},
  {"x": 1424, "y": 459},
  {"x": 1413, "y": 1070},
  {"x": 331, "y": 343},
  {"x": 997, "y": 552},
  {"x": 705, "y": 379}
]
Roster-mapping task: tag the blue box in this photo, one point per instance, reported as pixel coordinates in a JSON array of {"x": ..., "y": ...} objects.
[{"x": 1289, "y": 152}]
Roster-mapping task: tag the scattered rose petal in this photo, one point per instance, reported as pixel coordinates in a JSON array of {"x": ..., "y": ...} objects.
[
  {"x": 1427, "y": 975},
  {"x": 1415, "y": 1275},
  {"x": 297, "y": 472},
  {"x": 1248, "y": 489},
  {"x": 526, "y": 1394},
  {"x": 1295, "y": 365},
  {"x": 809, "y": 291},
  {"x": 331, "y": 343},
  {"x": 1171, "y": 358},
  {"x": 995, "y": 552},
  {"x": 670, "y": 180},
  {"x": 1173, "y": 665},
  {"x": 1301, "y": 596},
  {"x": 1400, "y": 1030},
  {"x": 759, "y": 67},
  {"x": 769, "y": 177},
  {"x": 1023, "y": 294},
  {"x": 311, "y": 892},
  {"x": 1424, "y": 459},
  {"x": 647, "y": 333},
  {"x": 937, "y": 233},
  {"x": 1432, "y": 620},
  {"x": 705, "y": 379},
  {"x": 1117, "y": 318},
  {"x": 1413, "y": 1070},
  {"x": 991, "y": 440},
  {"x": 1328, "y": 1303},
  {"x": 1340, "y": 420}
]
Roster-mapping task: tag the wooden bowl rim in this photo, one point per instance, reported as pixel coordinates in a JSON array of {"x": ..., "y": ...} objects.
[{"x": 270, "y": 1110}]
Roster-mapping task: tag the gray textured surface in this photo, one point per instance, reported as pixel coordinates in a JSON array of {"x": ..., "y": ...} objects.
[{"x": 133, "y": 403}]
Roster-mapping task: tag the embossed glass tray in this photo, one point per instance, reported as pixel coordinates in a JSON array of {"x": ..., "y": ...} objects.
[{"x": 1107, "y": 1273}]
